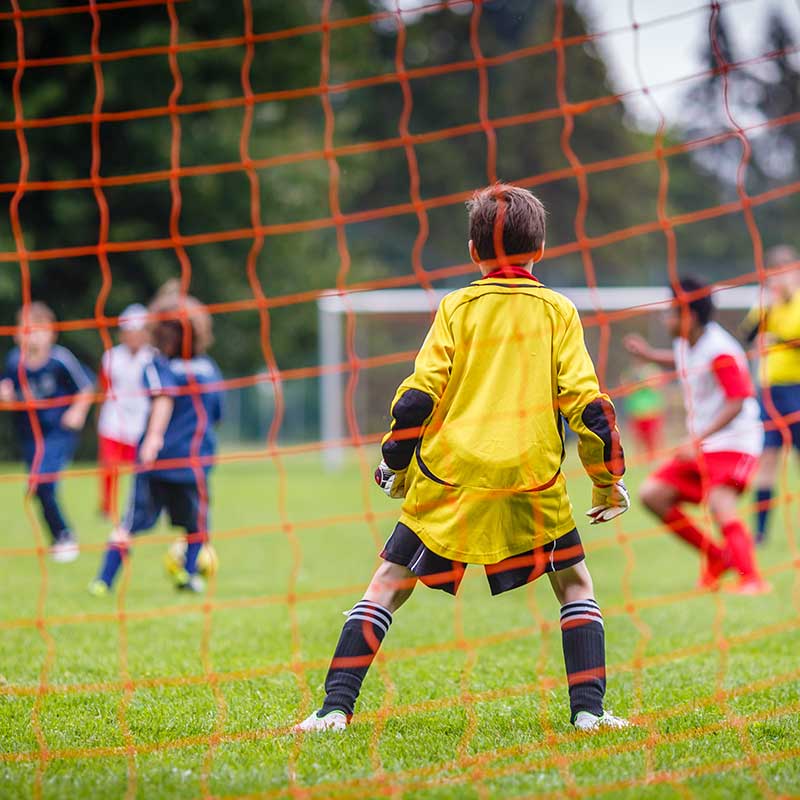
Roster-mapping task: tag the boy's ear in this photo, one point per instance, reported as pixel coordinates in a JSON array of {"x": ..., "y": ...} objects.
[
  {"x": 537, "y": 256},
  {"x": 473, "y": 253}
]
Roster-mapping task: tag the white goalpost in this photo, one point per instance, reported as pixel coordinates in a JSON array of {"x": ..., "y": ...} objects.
[{"x": 333, "y": 308}]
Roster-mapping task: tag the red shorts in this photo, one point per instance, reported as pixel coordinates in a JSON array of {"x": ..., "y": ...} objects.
[
  {"x": 111, "y": 452},
  {"x": 694, "y": 477}
]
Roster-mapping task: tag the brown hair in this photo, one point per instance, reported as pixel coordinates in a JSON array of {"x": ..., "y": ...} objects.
[
  {"x": 521, "y": 215},
  {"x": 175, "y": 311},
  {"x": 37, "y": 312}
]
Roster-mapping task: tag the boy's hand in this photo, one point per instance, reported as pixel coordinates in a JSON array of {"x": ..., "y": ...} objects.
[
  {"x": 74, "y": 418},
  {"x": 150, "y": 448},
  {"x": 7, "y": 391},
  {"x": 392, "y": 483},
  {"x": 608, "y": 502},
  {"x": 637, "y": 345}
]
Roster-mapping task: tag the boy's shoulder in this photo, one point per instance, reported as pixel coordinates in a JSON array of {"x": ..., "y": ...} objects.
[
  {"x": 532, "y": 288},
  {"x": 201, "y": 367},
  {"x": 717, "y": 341}
]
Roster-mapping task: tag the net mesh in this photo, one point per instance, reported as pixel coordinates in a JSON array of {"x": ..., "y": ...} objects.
[{"x": 474, "y": 764}]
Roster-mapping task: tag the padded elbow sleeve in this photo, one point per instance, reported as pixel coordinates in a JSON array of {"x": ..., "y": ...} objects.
[
  {"x": 600, "y": 418},
  {"x": 409, "y": 412}
]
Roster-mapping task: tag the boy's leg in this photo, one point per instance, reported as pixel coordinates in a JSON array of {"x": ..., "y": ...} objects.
[
  {"x": 765, "y": 483},
  {"x": 367, "y": 623},
  {"x": 722, "y": 502},
  {"x": 662, "y": 498},
  {"x": 142, "y": 514},
  {"x": 46, "y": 495},
  {"x": 582, "y": 638},
  {"x": 187, "y": 504}
]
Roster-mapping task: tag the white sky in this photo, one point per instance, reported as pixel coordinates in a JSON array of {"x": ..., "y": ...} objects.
[{"x": 671, "y": 49}]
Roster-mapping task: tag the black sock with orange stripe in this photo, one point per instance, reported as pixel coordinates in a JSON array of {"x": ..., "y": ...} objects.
[
  {"x": 362, "y": 634},
  {"x": 583, "y": 640}
]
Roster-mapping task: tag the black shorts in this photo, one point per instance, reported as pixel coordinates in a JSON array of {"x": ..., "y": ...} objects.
[
  {"x": 404, "y": 547},
  {"x": 151, "y": 496}
]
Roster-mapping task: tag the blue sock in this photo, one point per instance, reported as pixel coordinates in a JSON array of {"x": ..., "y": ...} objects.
[
  {"x": 763, "y": 502},
  {"x": 192, "y": 551},
  {"x": 112, "y": 561}
]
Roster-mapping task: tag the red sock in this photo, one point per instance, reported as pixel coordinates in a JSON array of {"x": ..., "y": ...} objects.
[
  {"x": 741, "y": 548},
  {"x": 681, "y": 525}
]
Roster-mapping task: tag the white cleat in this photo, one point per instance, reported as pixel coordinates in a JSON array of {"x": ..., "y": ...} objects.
[
  {"x": 64, "y": 550},
  {"x": 332, "y": 721},
  {"x": 584, "y": 721}
]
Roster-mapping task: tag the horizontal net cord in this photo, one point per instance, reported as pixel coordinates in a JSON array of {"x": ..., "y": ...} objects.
[
  {"x": 143, "y": 748},
  {"x": 324, "y": 90},
  {"x": 301, "y": 30},
  {"x": 60, "y": 11},
  {"x": 627, "y": 608}
]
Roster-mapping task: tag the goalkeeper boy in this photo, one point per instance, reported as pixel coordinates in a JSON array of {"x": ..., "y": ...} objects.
[{"x": 475, "y": 449}]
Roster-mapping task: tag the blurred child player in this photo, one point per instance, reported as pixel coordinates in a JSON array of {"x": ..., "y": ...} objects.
[
  {"x": 39, "y": 370},
  {"x": 779, "y": 374},
  {"x": 476, "y": 447},
  {"x": 179, "y": 442},
  {"x": 722, "y": 417},
  {"x": 123, "y": 415}
]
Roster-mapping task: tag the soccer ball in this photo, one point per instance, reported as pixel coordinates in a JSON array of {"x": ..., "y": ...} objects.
[{"x": 175, "y": 559}]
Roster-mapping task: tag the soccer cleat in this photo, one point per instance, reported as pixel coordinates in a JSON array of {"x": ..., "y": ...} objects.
[
  {"x": 585, "y": 721},
  {"x": 65, "y": 548},
  {"x": 98, "y": 588},
  {"x": 711, "y": 571},
  {"x": 749, "y": 586},
  {"x": 332, "y": 721},
  {"x": 185, "y": 582}
]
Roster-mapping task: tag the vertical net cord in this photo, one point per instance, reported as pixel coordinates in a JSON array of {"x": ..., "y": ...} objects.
[
  {"x": 643, "y": 629},
  {"x": 25, "y": 281},
  {"x": 194, "y": 389},
  {"x": 741, "y": 725},
  {"x": 105, "y": 270}
]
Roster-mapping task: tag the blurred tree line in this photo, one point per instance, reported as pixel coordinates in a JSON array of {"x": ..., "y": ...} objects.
[{"x": 296, "y": 190}]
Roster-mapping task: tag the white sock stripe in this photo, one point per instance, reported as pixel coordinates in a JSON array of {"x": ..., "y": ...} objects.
[
  {"x": 581, "y": 603},
  {"x": 589, "y": 612},
  {"x": 565, "y": 609},
  {"x": 374, "y": 620},
  {"x": 368, "y": 605}
]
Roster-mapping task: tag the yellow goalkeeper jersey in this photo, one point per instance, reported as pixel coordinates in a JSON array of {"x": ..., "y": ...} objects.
[
  {"x": 780, "y": 362},
  {"x": 503, "y": 360}
]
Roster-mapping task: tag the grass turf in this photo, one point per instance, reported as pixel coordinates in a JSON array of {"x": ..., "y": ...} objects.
[{"x": 176, "y": 698}]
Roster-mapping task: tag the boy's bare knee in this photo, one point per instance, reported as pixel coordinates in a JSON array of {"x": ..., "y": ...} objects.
[
  {"x": 391, "y": 586},
  {"x": 722, "y": 503},
  {"x": 655, "y": 496},
  {"x": 572, "y": 584}
]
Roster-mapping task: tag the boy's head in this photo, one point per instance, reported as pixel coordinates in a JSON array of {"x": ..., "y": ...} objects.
[
  {"x": 784, "y": 279},
  {"x": 689, "y": 316},
  {"x": 133, "y": 332},
  {"x": 506, "y": 227},
  {"x": 37, "y": 341},
  {"x": 183, "y": 326}
]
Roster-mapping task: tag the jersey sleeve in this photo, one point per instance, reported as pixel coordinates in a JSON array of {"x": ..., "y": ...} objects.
[
  {"x": 76, "y": 376},
  {"x": 216, "y": 399},
  {"x": 159, "y": 379},
  {"x": 419, "y": 394},
  {"x": 589, "y": 412},
  {"x": 748, "y": 327},
  {"x": 732, "y": 377}
]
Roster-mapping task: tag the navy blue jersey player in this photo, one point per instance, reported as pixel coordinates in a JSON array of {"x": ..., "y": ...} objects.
[
  {"x": 57, "y": 391},
  {"x": 179, "y": 444}
]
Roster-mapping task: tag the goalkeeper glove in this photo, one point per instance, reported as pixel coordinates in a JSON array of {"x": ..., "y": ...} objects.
[
  {"x": 608, "y": 502},
  {"x": 392, "y": 483}
]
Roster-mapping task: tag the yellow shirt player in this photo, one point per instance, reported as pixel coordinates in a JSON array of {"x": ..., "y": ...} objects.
[
  {"x": 779, "y": 326},
  {"x": 475, "y": 451}
]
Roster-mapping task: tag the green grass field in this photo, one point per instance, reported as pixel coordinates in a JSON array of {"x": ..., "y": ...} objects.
[{"x": 157, "y": 695}]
